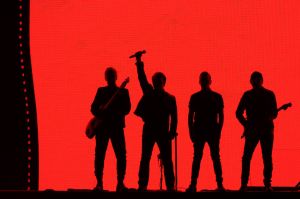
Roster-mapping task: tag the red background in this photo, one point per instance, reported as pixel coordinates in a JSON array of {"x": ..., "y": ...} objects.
[{"x": 72, "y": 42}]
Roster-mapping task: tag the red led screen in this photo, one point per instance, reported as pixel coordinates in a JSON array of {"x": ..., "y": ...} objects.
[{"x": 72, "y": 42}]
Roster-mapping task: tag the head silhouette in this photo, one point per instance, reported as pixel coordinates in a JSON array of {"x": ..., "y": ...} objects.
[
  {"x": 159, "y": 80},
  {"x": 205, "y": 80},
  {"x": 256, "y": 79},
  {"x": 111, "y": 76}
]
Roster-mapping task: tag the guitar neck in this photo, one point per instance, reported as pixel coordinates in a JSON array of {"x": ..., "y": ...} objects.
[
  {"x": 284, "y": 107},
  {"x": 112, "y": 98},
  {"x": 279, "y": 109}
]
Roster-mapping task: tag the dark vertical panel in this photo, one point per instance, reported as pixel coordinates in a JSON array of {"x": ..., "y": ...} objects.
[{"x": 19, "y": 138}]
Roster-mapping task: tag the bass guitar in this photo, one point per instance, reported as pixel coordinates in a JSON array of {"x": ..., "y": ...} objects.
[
  {"x": 96, "y": 122},
  {"x": 283, "y": 107}
]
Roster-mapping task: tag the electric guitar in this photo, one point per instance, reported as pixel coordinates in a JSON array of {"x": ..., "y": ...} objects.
[
  {"x": 96, "y": 122},
  {"x": 283, "y": 107}
]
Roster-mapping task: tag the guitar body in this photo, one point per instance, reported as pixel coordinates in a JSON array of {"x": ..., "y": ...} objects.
[{"x": 92, "y": 127}]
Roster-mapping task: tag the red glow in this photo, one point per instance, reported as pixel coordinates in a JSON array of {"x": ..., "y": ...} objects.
[{"x": 72, "y": 42}]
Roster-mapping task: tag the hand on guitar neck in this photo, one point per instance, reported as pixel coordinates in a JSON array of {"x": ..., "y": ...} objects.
[{"x": 285, "y": 106}]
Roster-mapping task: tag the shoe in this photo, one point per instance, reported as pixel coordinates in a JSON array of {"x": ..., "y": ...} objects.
[
  {"x": 221, "y": 188},
  {"x": 98, "y": 188},
  {"x": 142, "y": 189},
  {"x": 170, "y": 189},
  {"x": 268, "y": 188},
  {"x": 191, "y": 188},
  {"x": 121, "y": 188},
  {"x": 243, "y": 188}
]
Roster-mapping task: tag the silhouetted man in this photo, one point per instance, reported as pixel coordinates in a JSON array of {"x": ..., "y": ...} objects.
[
  {"x": 205, "y": 121},
  {"x": 112, "y": 127},
  {"x": 261, "y": 108},
  {"x": 156, "y": 108}
]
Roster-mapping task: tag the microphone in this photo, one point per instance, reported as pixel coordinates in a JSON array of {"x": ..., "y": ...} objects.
[{"x": 138, "y": 54}]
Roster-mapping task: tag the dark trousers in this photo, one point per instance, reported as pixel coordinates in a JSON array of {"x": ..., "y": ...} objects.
[
  {"x": 213, "y": 141},
  {"x": 265, "y": 136},
  {"x": 116, "y": 135},
  {"x": 150, "y": 137}
]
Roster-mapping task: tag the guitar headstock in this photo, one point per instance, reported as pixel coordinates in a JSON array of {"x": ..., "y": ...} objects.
[
  {"x": 286, "y": 106},
  {"x": 125, "y": 82}
]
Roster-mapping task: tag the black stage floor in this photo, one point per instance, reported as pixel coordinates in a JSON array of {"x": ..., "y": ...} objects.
[{"x": 253, "y": 193}]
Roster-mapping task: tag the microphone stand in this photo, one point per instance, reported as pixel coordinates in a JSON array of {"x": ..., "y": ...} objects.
[{"x": 176, "y": 173}]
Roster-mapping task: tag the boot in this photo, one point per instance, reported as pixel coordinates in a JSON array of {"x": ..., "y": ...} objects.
[
  {"x": 121, "y": 187},
  {"x": 99, "y": 187},
  {"x": 220, "y": 187},
  {"x": 191, "y": 188}
]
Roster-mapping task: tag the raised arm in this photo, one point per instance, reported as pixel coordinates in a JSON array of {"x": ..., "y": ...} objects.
[{"x": 145, "y": 85}]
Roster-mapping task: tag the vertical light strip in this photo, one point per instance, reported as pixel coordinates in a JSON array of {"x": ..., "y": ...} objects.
[{"x": 25, "y": 90}]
